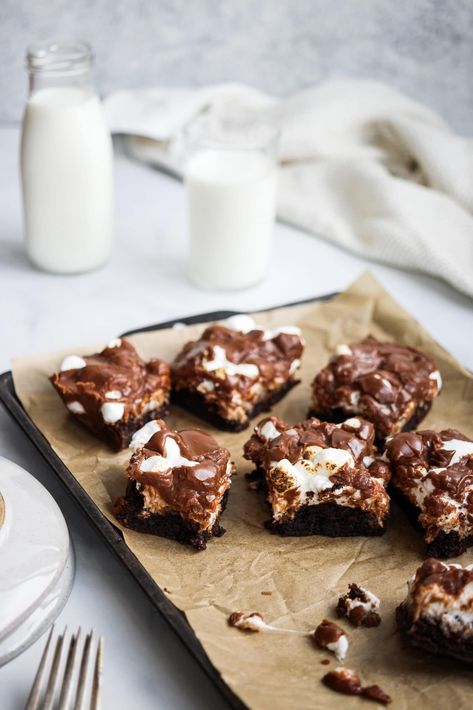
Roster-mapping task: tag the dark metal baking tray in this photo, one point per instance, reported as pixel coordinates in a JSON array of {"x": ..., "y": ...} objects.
[{"x": 174, "y": 617}]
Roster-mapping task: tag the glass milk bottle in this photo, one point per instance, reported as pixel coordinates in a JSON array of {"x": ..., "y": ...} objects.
[
  {"x": 231, "y": 179},
  {"x": 66, "y": 162}
]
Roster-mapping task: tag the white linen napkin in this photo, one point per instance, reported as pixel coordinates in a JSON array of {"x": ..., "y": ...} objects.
[{"x": 360, "y": 164}]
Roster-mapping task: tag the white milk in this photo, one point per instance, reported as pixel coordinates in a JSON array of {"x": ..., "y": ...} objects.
[
  {"x": 231, "y": 204},
  {"x": 67, "y": 177}
]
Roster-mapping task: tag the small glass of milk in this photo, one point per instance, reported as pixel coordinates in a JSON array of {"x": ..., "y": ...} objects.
[
  {"x": 230, "y": 178},
  {"x": 66, "y": 162}
]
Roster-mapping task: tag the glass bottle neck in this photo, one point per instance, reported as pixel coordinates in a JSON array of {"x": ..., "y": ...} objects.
[{"x": 60, "y": 65}]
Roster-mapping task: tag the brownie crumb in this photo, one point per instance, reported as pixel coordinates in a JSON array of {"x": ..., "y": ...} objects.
[
  {"x": 247, "y": 622},
  {"x": 359, "y": 606}
]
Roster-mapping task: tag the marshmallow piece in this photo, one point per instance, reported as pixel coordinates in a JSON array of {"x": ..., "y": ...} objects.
[
  {"x": 207, "y": 386},
  {"x": 220, "y": 362},
  {"x": 353, "y": 422},
  {"x": 241, "y": 322},
  {"x": 269, "y": 431},
  {"x": 143, "y": 435},
  {"x": 283, "y": 330},
  {"x": 339, "y": 648},
  {"x": 438, "y": 379},
  {"x": 173, "y": 459},
  {"x": 112, "y": 412},
  {"x": 73, "y": 362},
  {"x": 113, "y": 394},
  {"x": 343, "y": 349},
  {"x": 460, "y": 449},
  {"x": 114, "y": 343},
  {"x": 75, "y": 407},
  {"x": 294, "y": 366}
]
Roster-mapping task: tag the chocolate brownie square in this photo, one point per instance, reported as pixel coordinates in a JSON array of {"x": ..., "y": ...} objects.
[
  {"x": 178, "y": 484},
  {"x": 432, "y": 478},
  {"x": 391, "y": 385},
  {"x": 114, "y": 392},
  {"x": 437, "y": 613},
  {"x": 235, "y": 371},
  {"x": 321, "y": 478}
]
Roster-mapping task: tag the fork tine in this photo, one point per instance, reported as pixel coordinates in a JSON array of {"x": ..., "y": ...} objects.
[
  {"x": 53, "y": 673},
  {"x": 79, "y": 702},
  {"x": 68, "y": 673},
  {"x": 33, "y": 698},
  {"x": 97, "y": 682}
]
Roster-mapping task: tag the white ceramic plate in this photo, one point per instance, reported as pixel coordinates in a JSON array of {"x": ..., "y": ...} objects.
[
  {"x": 41, "y": 618},
  {"x": 34, "y": 548}
]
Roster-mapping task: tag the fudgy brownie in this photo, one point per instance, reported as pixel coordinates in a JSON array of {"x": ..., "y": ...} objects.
[
  {"x": 321, "y": 478},
  {"x": 437, "y": 614},
  {"x": 432, "y": 478},
  {"x": 114, "y": 392},
  {"x": 177, "y": 484},
  {"x": 391, "y": 385},
  {"x": 235, "y": 371}
]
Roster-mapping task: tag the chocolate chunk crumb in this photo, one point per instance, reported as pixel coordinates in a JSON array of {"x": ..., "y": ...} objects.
[
  {"x": 331, "y": 637},
  {"x": 346, "y": 681}
]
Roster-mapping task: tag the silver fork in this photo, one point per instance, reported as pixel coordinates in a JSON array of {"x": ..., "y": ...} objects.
[{"x": 74, "y": 663}]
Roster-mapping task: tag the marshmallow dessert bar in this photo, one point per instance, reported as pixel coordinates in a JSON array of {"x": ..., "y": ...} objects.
[
  {"x": 235, "y": 371},
  {"x": 437, "y": 614},
  {"x": 432, "y": 478},
  {"x": 114, "y": 392},
  {"x": 321, "y": 478},
  {"x": 177, "y": 484},
  {"x": 390, "y": 385}
]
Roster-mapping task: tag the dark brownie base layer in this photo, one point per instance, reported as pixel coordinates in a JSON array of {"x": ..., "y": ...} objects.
[
  {"x": 195, "y": 403},
  {"x": 446, "y": 544},
  {"x": 118, "y": 435},
  {"x": 338, "y": 415},
  {"x": 328, "y": 519},
  {"x": 430, "y": 637},
  {"x": 129, "y": 511}
]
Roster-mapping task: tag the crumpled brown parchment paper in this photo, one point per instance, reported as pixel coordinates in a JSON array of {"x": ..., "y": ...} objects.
[{"x": 304, "y": 575}]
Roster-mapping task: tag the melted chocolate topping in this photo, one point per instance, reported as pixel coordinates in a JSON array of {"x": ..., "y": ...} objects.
[
  {"x": 382, "y": 381},
  {"x": 118, "y": 370},
  {"x": 451, "y": 579},
  {"x": 346, "y": 681},
  {"x": 194, "y": 490},
  {"x": 273, "y": 358},
  {"x": 293, "y": 439}
]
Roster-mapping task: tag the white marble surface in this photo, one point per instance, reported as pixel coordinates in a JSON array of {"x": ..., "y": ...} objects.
[{"x": 145, "y": 665}]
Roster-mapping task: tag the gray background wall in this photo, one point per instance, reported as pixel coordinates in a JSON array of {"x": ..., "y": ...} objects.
[{"x": 424, "y": 47}]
